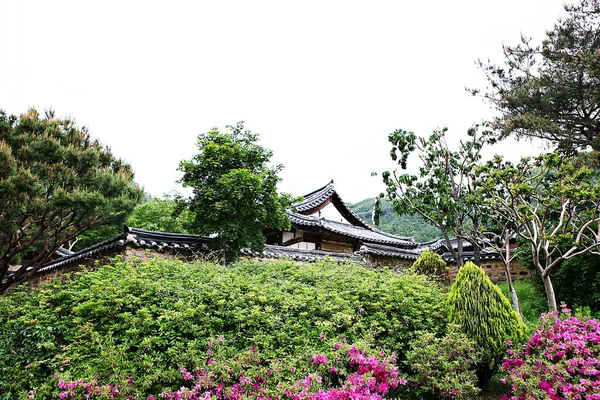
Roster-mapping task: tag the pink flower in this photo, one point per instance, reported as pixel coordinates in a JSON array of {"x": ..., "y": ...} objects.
[{"x": 318, "y": 359}]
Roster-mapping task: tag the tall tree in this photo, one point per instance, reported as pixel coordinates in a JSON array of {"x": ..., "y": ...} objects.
[
  {"x": 55, "y": 183},
  {"x": 552, "y": 91},
  {"x": 553, "y": 204},
  {"x": 234, "y": 190},
  {"x": 440, "y": 191}
]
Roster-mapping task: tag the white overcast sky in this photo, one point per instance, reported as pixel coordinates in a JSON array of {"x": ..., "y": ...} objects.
[{"x": 323, "y": 82}]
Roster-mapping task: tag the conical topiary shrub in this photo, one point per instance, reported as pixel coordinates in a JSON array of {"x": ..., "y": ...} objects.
[
  {"x": 485, "y": 315},
  {"x": 431, "y": 264}
]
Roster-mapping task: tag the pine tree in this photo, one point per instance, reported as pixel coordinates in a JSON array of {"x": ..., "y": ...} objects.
[
  {"x": 56, "y": 182},
  {"x": 485, "y": 315}
]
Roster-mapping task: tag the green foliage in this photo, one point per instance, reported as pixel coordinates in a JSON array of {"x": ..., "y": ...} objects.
[
  {"x": 154, "y": 214},
  {"x": 235, "y": 190},
  {"x": 552, "y": 91},
  {"x": 148, "y": 319},
  {"x": 431, "y": 264},
  {"x": 531, "y": 300},
  {"x": 95, "y": 235},
  {"x": 55, "y": 183},
  {"x": 443, "y": 367},
  {"x": 576, "y": 283},
  {"x": 485, "y": 315},
  {"x": 403, "y": 225},
  {"x": 553, "y": 202},
  {"x": 163, "y": 215},
  {"x": 439, "y": 192}
]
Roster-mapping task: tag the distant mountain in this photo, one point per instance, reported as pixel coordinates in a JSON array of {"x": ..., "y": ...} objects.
[{"x": 406, "y": 225}]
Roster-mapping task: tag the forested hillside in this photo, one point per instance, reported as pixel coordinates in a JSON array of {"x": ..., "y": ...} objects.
[{"x": 406, "y": 225}]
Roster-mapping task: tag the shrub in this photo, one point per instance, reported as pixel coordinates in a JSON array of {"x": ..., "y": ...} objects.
[
  {"x": 485, "y": 315},
  {"x": 561, "y": 360},
  {"x": 147, "y": 319},
  {"x": 351, "y": 374},
  {"x": 443, "y": 367},
  {"x": 431, "y": 264}
]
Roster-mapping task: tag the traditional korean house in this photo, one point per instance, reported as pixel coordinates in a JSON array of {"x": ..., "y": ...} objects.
[
  {"x": 342, "y": 236},
  {"x": 348, "y": 233}
]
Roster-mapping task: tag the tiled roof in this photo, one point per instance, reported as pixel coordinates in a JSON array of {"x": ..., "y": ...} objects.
[
  {"x": 470, "y": 256},
  {"x": 344, "y": 229},
  {"x": 389, "y": 251},
  {"x": 135, "y": 237},
  {"x": 284, "y": 252},
  {"x": 315, "y": 201}
]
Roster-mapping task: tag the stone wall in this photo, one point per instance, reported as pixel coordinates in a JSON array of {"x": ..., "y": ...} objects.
[{"x": 495, "y": 270}]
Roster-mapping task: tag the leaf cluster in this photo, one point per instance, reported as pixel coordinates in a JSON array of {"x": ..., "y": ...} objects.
[
  {"x": 552, "y": 90},
  {"x": 485, "y": 315},
  {"x": 234, "y": 190},
  {"x": 55, "y": 182},
  {"x": 148, "y": 319},
  {"x": 444, "y": 367},
  {"x": 440, "y": 191}
]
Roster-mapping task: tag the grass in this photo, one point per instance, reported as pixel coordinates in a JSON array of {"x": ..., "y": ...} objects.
[{"x": 531, "y": 301}]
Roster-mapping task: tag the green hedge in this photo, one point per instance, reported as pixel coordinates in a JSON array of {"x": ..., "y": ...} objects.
[{"x": 149, "y": 319}]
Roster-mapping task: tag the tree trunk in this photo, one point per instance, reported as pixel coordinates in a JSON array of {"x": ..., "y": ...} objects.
[
  {"x": 458, "y": 259},
  {"x": 476, "y": 254},
  {"x": 513, "y": 292},
  {"x": 549, "y": 292},
  {"x": 4, "y": 265},
  {"x": 459, "y": 248},
  {"x": 476, "y": 241}
]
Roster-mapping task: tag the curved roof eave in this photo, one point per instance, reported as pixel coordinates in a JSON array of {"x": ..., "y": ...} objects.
[{"x": 318, "y": 199}]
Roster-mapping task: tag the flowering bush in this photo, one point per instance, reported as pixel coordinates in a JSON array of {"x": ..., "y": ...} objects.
[
  {"x": 366, "y": 378},
  {"x": 147, "y": 319},
  {"x": 443, "y": 368},
  {"x": 560, "y": 361}
]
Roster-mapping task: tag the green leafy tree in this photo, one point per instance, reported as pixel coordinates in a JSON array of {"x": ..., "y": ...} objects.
[
  {"x": 55, "y": 183},
  {"x": 485, "y": 315},
  {"x": 163, "y": 215},
  {"x": 430, "y": 263},
  {"x": 235, "y": 190},
  {"x": 552, "y": 91},
  {"x": 553, "y": 204},
  {"x": 439, "y": 193}
]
